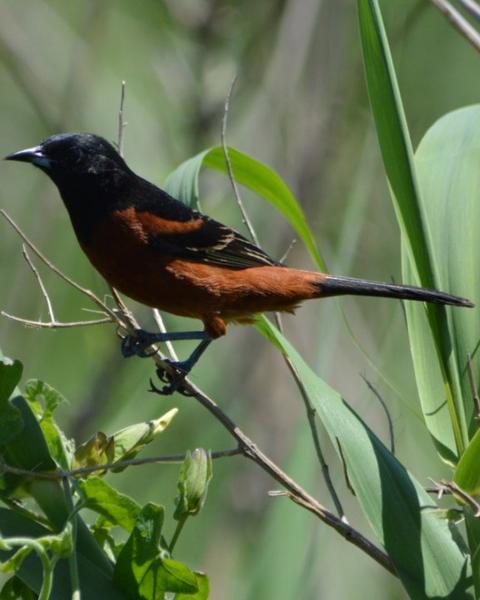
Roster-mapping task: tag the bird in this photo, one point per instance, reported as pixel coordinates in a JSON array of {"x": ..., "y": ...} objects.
[{"x": 164, "y": 254}]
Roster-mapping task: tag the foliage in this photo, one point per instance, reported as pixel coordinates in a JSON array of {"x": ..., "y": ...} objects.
[
  {"x": 139, "y": 566},
  {"x": 49, "y": 547}
]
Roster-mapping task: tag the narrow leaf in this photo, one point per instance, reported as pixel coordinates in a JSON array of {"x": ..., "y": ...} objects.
[{"x": 427, "y": 558}]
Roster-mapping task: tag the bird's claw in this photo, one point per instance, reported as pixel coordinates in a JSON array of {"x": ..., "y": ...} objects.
[
  {"x": 174, "y": 380},
  {"x": 135, "y": 345}
]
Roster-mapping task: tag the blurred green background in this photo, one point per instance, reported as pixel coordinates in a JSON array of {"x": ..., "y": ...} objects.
[{"x": 300, "y": 106}]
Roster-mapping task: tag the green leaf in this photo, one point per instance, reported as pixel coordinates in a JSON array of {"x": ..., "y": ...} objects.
[
  {"x": 203, "y": 589},
  {"x": 10, "y": 419},
  {"x": 28, "y": 449},
  {"x": 10, "y": 374},
  {"x": 411, "y": 212},
  {"x": 393, "y": 135},
  {"x": 173, "y": 576},
  {"x": 264, "y": 181},
  {"x": 429, "y": 562},
  {"x": 141, "y": 548},
  {"x": 118, "y": 509},
  {"x": 447, "y": 166},
  {"x": 95, "y": 583},
  {"x": 43, "y": 400},
  {"x": 143, "y": 568},
  {"x": 195, "y": 475},
  {"x": 467, "y": 473},
  {"x": 472, "y": 526},
  {"x": 16, "y": 589}
]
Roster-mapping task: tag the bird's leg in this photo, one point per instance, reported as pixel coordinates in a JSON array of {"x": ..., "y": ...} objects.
[
  {"x": 182, "y": 369},
  {"x": 136, "y": 344}
]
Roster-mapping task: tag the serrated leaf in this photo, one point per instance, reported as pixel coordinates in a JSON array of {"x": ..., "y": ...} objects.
[
  {"x": 43, "y": 400},
  {"x": 118, "y": 509}
]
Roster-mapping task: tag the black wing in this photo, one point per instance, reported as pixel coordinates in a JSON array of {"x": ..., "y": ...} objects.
[
  {"x": 204, "y": 240},
  {"x": 215, "y": 244}
]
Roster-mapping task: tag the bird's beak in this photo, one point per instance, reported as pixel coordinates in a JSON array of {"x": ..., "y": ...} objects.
[
  {"x": 34, "y": 155},
  {"x": 31, "y": 155}
]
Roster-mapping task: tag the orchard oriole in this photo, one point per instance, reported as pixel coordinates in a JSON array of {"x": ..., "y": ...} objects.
[{"x": 162, "y": 253}]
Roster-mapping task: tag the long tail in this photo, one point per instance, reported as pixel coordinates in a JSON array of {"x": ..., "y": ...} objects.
[{"x": 339, "y": 286}]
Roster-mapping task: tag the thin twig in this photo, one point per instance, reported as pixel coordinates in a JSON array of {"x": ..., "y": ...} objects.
[
  {"x": 287, "y": 251},
  {"x": 121, "y": 122},
  {"x": 459, "y": 22},
  {"x": 40, "y": 283},
  {"x": 119, "y": 464},
  {"x": 60, "y": 273},
  {"x": 457, "y": 491},
  {"x": 246, "y": 446},
  {"x": 311, "y": 413},
  {"x": 387, "y": 412},
  {"x": 308, "y": 407},
  {"x": 472, "y": 7},
  {"x": 161, "y": 327},
  {"x": 345, "y": 470},
  {"x": 54, "y": 324},
  {"x": 473, "y": 387},
  {"x": 245, "y": 217},
  {"x": 298, "y": 494}
]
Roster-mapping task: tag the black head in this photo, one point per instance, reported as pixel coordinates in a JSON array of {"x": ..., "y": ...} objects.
[{"x": 72, "y": 155}]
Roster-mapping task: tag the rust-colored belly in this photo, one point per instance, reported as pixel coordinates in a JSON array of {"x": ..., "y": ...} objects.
[{"x": 119, "y": 250}]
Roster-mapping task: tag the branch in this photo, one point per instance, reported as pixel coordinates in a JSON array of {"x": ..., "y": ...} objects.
[
  {"x": 472, "y": 7},
  {"x": 245, "y": 217},
  {"x": 246, "y": 446},
  {"x": 250, "y": 450},
  {"x": 54, "y": 324},
  {"x": 308, "y": 407},
  {"x": 40, "y": 283},
  {"x": 121, "y": 122},
  {"x": 387, "y": 412},
  {"x": 459, "y": 22},
  {"x": 86, "y": 292},
  {"x": 119, "y": 464}
]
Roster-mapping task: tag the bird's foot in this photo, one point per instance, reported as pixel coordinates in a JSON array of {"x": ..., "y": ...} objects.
[
  {"x": 137, "y": 344},
  {"x": 174, "y": 379}
]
